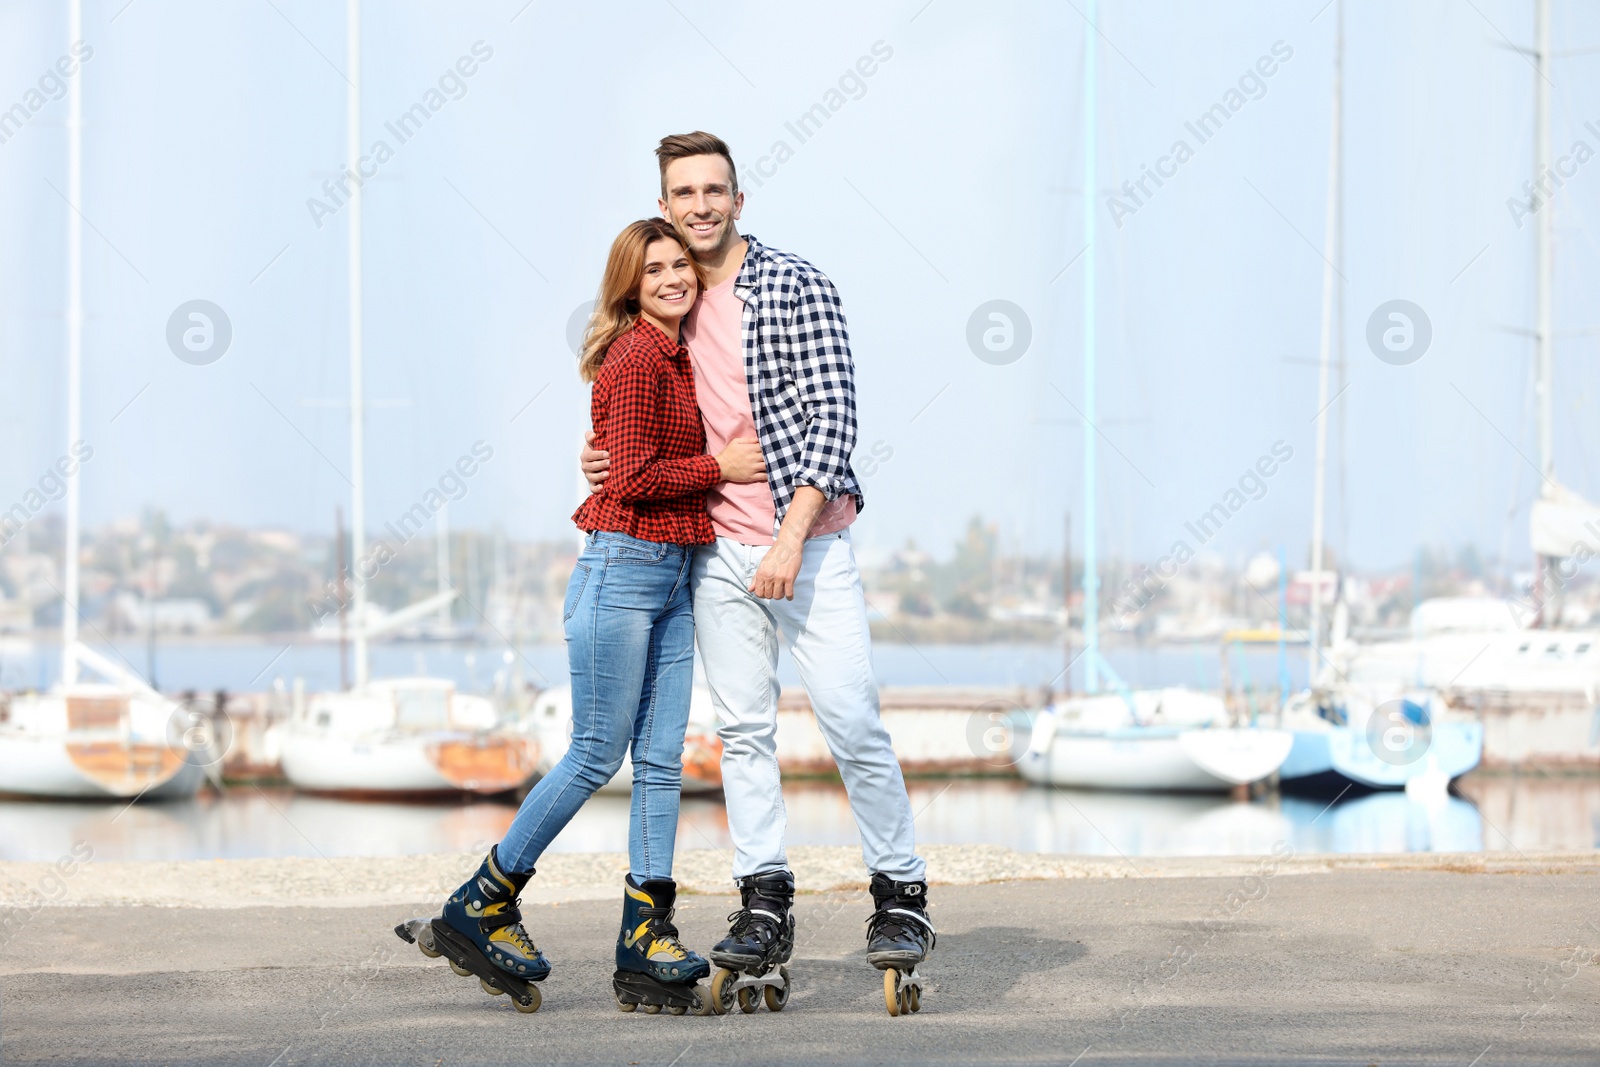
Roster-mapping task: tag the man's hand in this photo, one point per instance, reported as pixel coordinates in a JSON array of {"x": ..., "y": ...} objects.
[
  {"x": 780, "y": 567},
  {"x": 776, "y": 575},
  {"x": 594, "y": 463}
]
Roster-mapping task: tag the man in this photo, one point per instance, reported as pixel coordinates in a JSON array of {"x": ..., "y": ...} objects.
[{"x": 771, "y": 359}]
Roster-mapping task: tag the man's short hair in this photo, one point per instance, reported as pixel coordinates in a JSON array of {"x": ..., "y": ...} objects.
[{"x": 699, "y": 143}]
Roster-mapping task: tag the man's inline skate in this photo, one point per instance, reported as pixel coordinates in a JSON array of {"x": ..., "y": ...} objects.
[
  {"x": 653, "y": 967},
  {"x": 899, "y": 936},
  {"x": 480, "y": 933},
  {"x": 753, "y": 955}
]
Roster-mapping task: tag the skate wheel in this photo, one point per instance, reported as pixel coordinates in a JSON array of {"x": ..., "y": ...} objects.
[
  {"x": 722, "y": 994},
  {"x": 492, "y": 990},
  {"x": 652, "y": 1009},
  {"x": 625, "y": 1006},
  {"x": 891, "y": 991},
  {"x": 747, "y": 1000},
  {"x": 531, "y": 1005},
  {"x": 462, "y": 971},
  {"x": 777, "y": 996},
  {"x": 702, "y": 1003},
  {"x": 914, "y": 998},
  {"x": 677, "y": 1009},
  {"x": 423, "y": 937}
]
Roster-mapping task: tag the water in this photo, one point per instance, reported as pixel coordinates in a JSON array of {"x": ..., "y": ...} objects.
[
  {"x": 1497, "y": 814},
  {"x": 247, "y": 665}
]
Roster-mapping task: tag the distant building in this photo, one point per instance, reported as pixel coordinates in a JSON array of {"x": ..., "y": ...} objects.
[
  {"x": 177, "y": 616},
  {"x": 16, "y": 616}
]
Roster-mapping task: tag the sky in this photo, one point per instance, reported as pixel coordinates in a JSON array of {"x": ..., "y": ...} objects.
[{"x": 950, "y": 176}]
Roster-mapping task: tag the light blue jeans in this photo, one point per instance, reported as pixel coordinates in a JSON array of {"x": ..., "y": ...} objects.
[
  {"x": 630, "y": 642},
  {"x": 825, "y": 627}
]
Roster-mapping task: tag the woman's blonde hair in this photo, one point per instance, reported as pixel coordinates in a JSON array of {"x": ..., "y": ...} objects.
[{"x": 616, "y": 308}]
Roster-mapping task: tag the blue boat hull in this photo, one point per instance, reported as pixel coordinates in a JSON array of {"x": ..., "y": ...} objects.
[{"x": 1324, "y": 756}]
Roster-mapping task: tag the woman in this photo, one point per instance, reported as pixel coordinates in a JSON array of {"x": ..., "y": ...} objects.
[{"x": 630, "y": 638}]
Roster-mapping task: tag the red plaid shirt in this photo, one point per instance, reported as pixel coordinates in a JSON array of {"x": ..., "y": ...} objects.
[{"x": 644, "y": 412}]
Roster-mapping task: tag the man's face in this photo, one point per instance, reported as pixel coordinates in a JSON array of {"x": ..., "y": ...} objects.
[{"x": 701, "y": 203}]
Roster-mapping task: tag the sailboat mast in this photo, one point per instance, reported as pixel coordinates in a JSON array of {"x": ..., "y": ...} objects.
[
  {"x": 442, "y": 557},
  {"x": 358, "y": 411},
  {"x": 1331, "y": 230},
  {"x": 1546, "y": 249},
  {"x": 69, "y": 612},
  {"x": 1091, "y": 560}
]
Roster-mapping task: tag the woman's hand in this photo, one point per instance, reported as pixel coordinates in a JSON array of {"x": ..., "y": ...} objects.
[
  {"x": 742, "y": 461},
  {"x": 594, "y": 462}
]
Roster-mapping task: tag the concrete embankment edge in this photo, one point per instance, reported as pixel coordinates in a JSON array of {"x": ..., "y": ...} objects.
[{"x": 345, "y": 881}]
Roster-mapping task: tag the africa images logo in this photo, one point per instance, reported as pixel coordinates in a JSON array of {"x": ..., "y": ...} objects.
[
  {"x": 1399, "y": 332},
  {"x": 199, "y": 332}
]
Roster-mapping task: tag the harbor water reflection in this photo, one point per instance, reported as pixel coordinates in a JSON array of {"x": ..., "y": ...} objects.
[{"x": 1494, "y": 813}]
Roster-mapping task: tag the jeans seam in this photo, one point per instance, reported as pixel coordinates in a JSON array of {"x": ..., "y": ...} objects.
[
  {"x": 641, "y": 767},
  {"x": 587, "y": 571}
]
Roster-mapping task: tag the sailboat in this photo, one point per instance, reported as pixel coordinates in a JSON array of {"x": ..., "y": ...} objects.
[
  {"x": 401, "y": 735},
  {"x": 1170, "y": 739},
  {"x": 1176, "y": 740},
  {"x": 116, "y": 739},
  {"x": 1378, "y": 716}
]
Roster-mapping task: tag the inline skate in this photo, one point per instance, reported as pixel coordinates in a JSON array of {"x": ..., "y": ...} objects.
[
  {"x": 480, "y": 933},
  {"x": 899, "y": 936},
  {"x": 752, "y": 957},
  {"x": 653, "y": 968}
]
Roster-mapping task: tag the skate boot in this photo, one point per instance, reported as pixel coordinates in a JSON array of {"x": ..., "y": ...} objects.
[
  {"x": 653, "y": 967},
  {"x": 752, "y": 957},
  {"x": 480, "y": 933},
  {"x": 899, "y": 936}
]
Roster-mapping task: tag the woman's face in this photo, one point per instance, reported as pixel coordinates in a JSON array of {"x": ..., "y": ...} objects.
[{"x": 668, "y": 287}]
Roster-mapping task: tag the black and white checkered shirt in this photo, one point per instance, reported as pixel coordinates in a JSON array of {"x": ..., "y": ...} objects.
[{"x": 800, "y": 375}]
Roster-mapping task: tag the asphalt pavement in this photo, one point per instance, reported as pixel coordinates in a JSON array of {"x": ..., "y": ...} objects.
[{"x": 1348, "y": 967}]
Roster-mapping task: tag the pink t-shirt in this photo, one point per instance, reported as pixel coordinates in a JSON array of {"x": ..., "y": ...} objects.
[{"x": 742, "y": 512}]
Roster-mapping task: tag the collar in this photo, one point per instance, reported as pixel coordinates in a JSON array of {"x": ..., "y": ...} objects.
[
  {"x": 651, "y": 335},
  {"x": 750, "y": 270}
]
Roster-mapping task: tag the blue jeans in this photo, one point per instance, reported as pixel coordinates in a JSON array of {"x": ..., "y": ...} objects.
[{"x": 629, "y": 619}]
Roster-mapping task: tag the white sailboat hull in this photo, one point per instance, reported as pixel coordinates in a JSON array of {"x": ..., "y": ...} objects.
[
  {"x": 361, "y": 764},
  {"x": 401, "y": 763},
  {"x": 404, "y": 735},
  {"x": 99, "y": 741},
  {"x": 1158, "y": 760},
  {"x": 45, "y": 767}
]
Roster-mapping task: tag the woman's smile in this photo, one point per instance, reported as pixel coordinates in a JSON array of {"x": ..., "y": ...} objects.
[{"x": 669, "y": 286}]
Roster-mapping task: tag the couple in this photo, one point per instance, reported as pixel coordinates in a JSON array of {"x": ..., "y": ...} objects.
[{"x": 703, "y": 339}]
